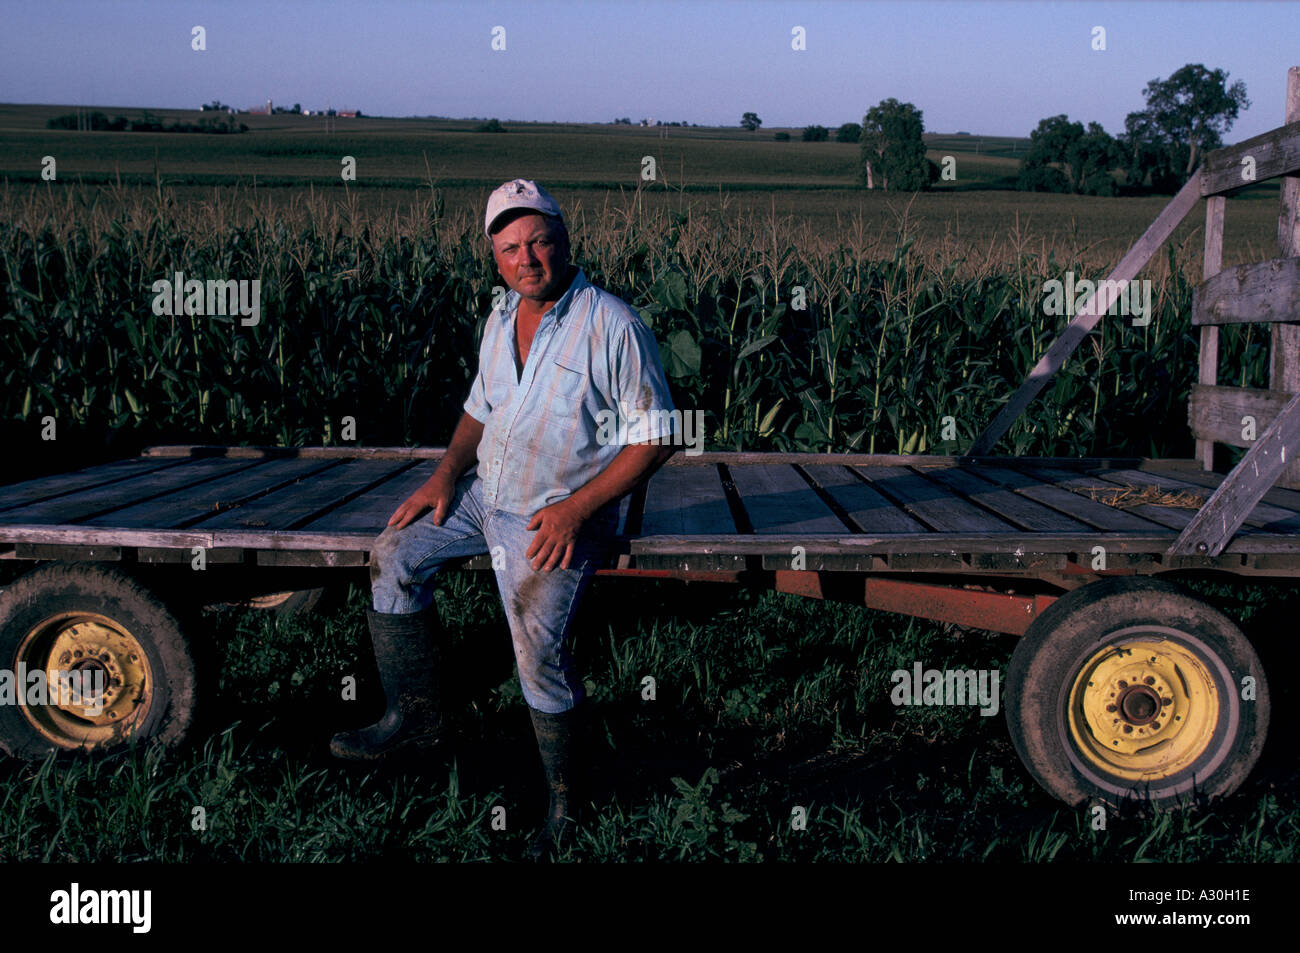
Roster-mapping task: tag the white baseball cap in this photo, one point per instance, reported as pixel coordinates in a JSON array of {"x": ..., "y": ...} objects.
[{"x": 519, "y": 193}]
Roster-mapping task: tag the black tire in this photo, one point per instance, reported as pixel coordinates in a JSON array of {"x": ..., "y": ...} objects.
[
  {"x": 96, "y": 618},
  {"x": 1093, "y": 719}
]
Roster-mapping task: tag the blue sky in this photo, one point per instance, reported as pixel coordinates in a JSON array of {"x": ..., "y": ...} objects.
[{"x": 992, "y": 68}]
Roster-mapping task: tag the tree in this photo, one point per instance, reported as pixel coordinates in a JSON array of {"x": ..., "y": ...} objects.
[
  {"x": 816, "y": 134},
  {"x": 1085, "y": 157},
  {"x": 1038, "y": 176},
  {"x": 892, "y": 149},
  {"x": 1186, "y": 116},
  {"x": 1095, "y": 153},
  {"x": 849, "y": 132},
  {"x": 751, "y": 121}
]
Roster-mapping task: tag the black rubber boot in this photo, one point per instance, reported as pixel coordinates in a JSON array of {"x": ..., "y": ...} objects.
[
  {"x": 559, "y": 742},
  {"x": 408, "y": 651}
]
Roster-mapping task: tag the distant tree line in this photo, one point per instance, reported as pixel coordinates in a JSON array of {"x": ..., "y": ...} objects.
[
  {"x": 627, "y": 121},
  {"x": 1185, "y": 117},
  {"x": 98, "y": 122}
]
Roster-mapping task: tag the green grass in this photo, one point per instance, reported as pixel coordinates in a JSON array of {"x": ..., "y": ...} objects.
[{"x": 764, "y": 703}]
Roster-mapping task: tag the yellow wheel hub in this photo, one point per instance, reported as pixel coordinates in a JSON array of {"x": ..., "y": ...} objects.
[
  {"x": 1144, "y": 710},
  {"x": 97, "y": 679}
]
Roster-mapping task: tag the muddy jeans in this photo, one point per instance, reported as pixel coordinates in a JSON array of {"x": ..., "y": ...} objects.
[{"x": 539, "y": 606}]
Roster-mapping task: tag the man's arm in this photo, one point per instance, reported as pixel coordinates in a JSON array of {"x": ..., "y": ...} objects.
[
  {"x": 439, "y": 490},
  {"x": 557, "y": 525}
]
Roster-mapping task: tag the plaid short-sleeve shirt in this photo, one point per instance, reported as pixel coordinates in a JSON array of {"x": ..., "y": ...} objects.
[{"x": 548, "y": 431}]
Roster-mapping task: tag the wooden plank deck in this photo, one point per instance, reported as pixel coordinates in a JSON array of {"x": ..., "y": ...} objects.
[{"x": 324, "y": 506}]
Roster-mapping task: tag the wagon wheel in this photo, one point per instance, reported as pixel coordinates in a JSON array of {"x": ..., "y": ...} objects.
[
  {"x": 1132, "y": 690},
  {"x": 138, "y": 676}
]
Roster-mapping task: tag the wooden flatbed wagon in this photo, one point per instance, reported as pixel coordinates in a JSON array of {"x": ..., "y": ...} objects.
[
  {"x": 1124, "y": 686},
  {"x": 981, "y": 542}
]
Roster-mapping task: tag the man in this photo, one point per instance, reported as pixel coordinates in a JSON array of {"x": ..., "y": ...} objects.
[{"x": 529, "y": 476}]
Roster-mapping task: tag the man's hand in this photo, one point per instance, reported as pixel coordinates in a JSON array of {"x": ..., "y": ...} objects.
[
  {"x": 440, "y": 489},
  {"x": 557, "y": 528},
  {"x": 558, "y": 524},
  {"x": 436, "y": 494}
]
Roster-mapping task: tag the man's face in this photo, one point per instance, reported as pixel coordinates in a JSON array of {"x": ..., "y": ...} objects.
[{"x": 532, "y": 256}]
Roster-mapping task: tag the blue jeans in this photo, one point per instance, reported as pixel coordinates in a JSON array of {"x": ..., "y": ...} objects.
[{"x": 539, "y": 606}]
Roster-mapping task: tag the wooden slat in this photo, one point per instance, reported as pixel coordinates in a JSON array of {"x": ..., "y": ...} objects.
[
  {"x": 683, "y": 501},
  {"x": 1288, "y": 219},
  {"x": 737, "y": 458},
  {"x": 1167, "y": 516},
  {"x": 58, "y": 484},
  {"x": 935, "y": 543},
  {"x": 1218, "y": 521},
  {"x": 933, "y": 505},
  {"x": 1261, "y": 291},
  {"x": 1092, "y": 312},
  {"x": 689, "y": 547},
  {"x": 212, "y": 557},
  {"x": 1208, "y": 371},
  {"x": 199, "y": 450},
  {"x": 248, "y": 539},
  {"x": 370, "y": 511},
  {"x": 871, "y": 512},
  {"x": 64, "y": 553},
  {"x": 1276, "y": 519},
  {"x": 711, "y": 459},
  {"x": 1215, "y": 413},
  {"x": 1276, "y": 152},
  {"x": 310, "y": 500},
  {"x": 1284, "y": 354},
  {"x": 1212, "y": 263},
  {"x": 76, "y": 507},
  {"x": 1017, "y": 510},
  {"x": 319, "y": 558},
  {"x": 1098, "y": 515},
  {"x": 190, "y": 504},
  {"x": 779, "y": 500},
  {"x": 752, "y": 544}
]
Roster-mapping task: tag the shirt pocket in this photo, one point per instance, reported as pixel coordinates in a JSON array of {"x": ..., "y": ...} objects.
[{"x": 569, "y": 385}]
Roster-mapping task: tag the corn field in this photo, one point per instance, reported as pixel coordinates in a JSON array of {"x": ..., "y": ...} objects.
[{"x": 786, "y": 341}]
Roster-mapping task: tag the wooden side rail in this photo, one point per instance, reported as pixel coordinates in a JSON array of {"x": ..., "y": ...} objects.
[
  {"x": 1220, "y": 414},
  {"x": 1214, "y": 525},
  {"x": 1258, "y": 159},
  {"x": 1264, "y": 291}
]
